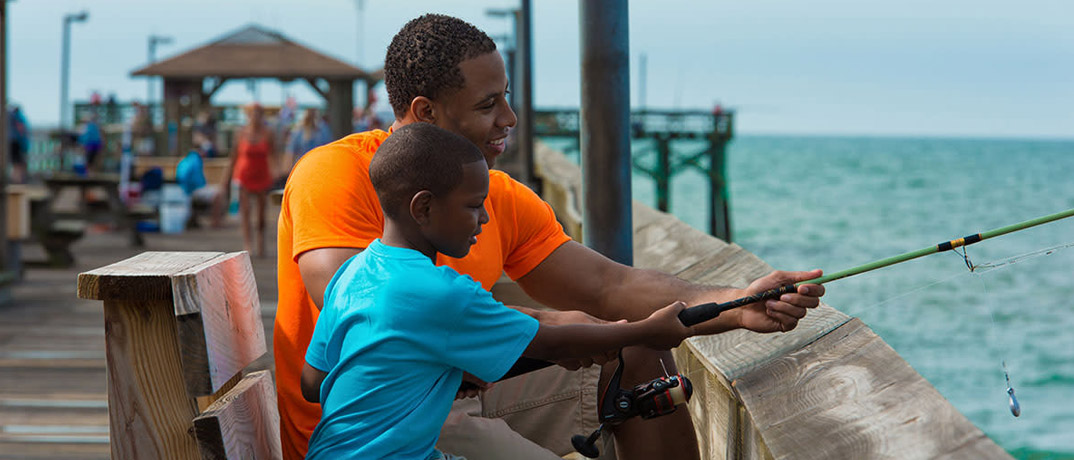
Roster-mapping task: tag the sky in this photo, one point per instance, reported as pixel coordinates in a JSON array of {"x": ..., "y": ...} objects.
[{"x": 954, "y": 68}]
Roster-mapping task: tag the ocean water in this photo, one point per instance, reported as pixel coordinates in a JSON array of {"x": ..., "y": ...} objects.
[{"x": 838, "y": 202}]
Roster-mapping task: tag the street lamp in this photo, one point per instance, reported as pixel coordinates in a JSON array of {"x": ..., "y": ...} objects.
[
  {"x": 65, "y": 58},
  {"x": 154, "y": 40}
]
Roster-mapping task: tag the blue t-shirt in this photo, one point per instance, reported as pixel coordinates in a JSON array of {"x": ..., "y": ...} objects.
[{"x": 395, "y": 335}]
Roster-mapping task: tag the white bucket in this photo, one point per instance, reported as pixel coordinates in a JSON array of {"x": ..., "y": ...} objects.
[{"x": 174, "y": 209}]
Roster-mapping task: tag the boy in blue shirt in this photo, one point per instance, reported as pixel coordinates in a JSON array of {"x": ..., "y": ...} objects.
[{"x": 397, "y": 332}]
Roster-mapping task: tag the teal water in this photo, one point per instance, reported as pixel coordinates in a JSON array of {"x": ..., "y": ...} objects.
[{"x": 835, "y": 203}]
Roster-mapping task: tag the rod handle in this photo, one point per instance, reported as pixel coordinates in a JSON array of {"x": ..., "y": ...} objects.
[
  {"x": 706, "y": 311},
  {"x": 689, "y": 317}
]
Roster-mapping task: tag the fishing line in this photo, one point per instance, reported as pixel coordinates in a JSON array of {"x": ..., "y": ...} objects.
[
  {"x": 1003, "y": 263},
  {"x": 1012, "y": 401}
]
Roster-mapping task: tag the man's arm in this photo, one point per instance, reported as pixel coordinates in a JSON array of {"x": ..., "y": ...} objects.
[
  {"x": 574, "y": 277},
  {"x": 318, "y": 266},
  {"x": 311, "y": 383}
]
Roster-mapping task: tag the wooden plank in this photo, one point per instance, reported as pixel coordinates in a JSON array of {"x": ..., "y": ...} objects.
[
  {"x": 28, "y": 450},
  {"x": 142, "y": 277},
  {"x": 849, "y": 395},
  {"x": 219, "y": 320},
  {"x": 736, "y": 352},
  {"x": 671, "y": 246},
  {"x": 150, "y": 412},
  {"x": 36, "y": 380},
  {"x": 244, "y": 423}
]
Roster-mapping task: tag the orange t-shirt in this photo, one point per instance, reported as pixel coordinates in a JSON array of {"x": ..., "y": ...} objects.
[{"x": 329, "y": 202}]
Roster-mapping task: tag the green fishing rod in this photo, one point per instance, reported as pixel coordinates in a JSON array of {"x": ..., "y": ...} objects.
[{"x": 705, "y": 312}]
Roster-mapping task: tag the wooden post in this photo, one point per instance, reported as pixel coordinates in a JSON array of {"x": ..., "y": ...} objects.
[
  {"x": 178, "y": 326},
  {"x": 719, "y": 201},
  {"x": 663, "y": 171}
]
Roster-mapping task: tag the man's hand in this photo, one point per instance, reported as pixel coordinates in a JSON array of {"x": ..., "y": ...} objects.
[
  {"x": 471, "y": 386},
  {"x": 559, "y": 318},
  {"x": 780, "y": 314}
]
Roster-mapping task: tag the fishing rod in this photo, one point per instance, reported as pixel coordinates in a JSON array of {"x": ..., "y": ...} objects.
[{"x": 707, "y": 311}]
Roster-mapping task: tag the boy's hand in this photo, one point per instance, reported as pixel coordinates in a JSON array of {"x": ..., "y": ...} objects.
[{"x": 665, "y": 329}]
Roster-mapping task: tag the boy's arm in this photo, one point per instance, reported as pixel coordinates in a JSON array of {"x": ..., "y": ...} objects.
[
  {"x": 311, "y": 383},
  {"x": 661, "y": 330}
]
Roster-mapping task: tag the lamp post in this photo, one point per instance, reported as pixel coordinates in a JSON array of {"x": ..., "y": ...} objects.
[
  {"x": 154, "y": 40},
  {"x": 65, "y": 58},
  {"x": 522, "y": 86}
]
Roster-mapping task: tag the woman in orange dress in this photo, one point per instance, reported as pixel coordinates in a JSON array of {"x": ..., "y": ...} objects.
[{"x": 251, "y": 170}]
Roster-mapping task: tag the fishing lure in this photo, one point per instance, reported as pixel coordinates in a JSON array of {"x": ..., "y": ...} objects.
[{"x": 1012, "y": 401}]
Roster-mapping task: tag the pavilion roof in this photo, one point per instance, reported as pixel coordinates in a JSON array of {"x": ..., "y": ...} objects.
[{"x": 253, "y": 52}]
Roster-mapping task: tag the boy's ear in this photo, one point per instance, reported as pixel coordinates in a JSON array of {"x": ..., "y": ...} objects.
[
  {"x": 421, "y": 207},
  {"x": 422, "y": 109}
]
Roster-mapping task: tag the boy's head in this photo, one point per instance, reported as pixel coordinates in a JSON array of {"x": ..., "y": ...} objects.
[
  {"x": 444, "y": 71},
  {"x": 432, "y": 185}
]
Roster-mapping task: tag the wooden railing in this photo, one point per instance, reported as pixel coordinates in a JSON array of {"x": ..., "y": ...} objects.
[
  {"x": 831, "y": 388},
  {"x": 180, "y": 328}
]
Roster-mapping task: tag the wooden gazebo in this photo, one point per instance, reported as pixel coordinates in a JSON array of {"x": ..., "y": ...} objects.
[{"x": 191, "y": 78}]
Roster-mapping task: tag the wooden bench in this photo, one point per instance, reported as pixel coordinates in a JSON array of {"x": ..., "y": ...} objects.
[
  {"x": 182, "y": 329},
  {"x": 31, "y": 218}
]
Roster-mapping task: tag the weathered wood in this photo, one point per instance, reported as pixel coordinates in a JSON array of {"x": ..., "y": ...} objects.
[
  {"x": 849, "y": 395},
  {"x": 243, "y": 424},
  {"x": 736, "y": 352},
  {"x": 150, "y": 412},
  {"x": 561, "y": 187},
  {"x": 142, "y": 277},
  {"x": 219, "y": 320},
  {"x": 670, "y": 246},
  {"x": 178, "y": 326}
]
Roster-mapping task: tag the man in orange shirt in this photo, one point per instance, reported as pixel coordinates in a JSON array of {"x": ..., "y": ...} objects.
[{"x": 444, "y": 71}]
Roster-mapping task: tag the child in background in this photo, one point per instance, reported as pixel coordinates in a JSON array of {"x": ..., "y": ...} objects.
[{"x": 397, "y": 332}]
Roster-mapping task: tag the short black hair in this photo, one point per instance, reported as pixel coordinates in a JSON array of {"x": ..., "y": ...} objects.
[
  {"x": 423, "y": 58},
  {"x": 419, "y": 156}
]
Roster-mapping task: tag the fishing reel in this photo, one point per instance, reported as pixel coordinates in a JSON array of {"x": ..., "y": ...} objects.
[{"x": 655, "y": 398}]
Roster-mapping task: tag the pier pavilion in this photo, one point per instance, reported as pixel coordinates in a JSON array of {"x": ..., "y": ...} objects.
[{"x": 191, "y": 78}]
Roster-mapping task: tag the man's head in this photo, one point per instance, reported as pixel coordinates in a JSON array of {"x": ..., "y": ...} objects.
[
  {"x": 444, "y": 71},
  {"x": 432, "y": 185}
]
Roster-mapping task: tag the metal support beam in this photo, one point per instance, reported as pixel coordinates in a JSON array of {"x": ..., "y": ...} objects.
[
  {"x": 605, "y": 128},
  {"x": 524, "y": 88},
  {"x": 340, "y": 107},
  {"x": 4, "y": 144}
]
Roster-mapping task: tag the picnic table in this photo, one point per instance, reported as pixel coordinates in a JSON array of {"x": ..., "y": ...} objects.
[{"x": 112, "y": 211}]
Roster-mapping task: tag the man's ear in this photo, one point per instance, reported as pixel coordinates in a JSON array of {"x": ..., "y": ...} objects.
[
  {"x": 421, "y": 207},
  {"x": 422, "y": 109}
]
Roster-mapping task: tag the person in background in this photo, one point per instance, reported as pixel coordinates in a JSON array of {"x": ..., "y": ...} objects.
[
  {"x": 18, "y": 138},
  {"x": 141, "y": 130},
  {"x": 91, "y": 141},
  {"x": 310, "y": 134},
  {"x": 251, "y": 169},
  {"x": 205, "y": 133}
]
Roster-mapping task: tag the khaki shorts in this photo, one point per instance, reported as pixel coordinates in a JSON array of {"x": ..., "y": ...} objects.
[{"x": 532, "y": 416}]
